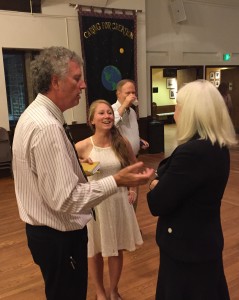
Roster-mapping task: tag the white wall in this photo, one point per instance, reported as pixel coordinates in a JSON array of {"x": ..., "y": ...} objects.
[
  {"x": 30, "y": 31},
  {"x": 58, "y": 26},
  {"x": 209, "y": 31}
]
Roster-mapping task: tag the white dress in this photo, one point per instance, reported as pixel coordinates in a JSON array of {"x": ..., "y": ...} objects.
[{"x": 116, "y": 227}]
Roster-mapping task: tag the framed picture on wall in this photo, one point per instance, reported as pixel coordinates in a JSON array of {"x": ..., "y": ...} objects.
[
  {"x": 155, "y": 90},
  {"x": 172, "y": 94},
  {"x": 212, "y": 82},
  {"x": 217, "y": 75},
  {"x": 211, "y": 75},
  {"x": 171, "y": 83},
  {"x": 217, "y": 83}
]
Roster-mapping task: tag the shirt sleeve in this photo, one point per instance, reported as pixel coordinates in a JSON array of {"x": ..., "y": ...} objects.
[
  {"x": 60, "y": 180},
  {"x": 118, "y": 117}
]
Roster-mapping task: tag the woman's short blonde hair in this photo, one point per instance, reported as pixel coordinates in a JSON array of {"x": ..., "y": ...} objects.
[{"x": 202, "y": 111}]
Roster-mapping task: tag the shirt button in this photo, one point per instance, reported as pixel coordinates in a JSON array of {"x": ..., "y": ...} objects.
[{"x": 170, "y": 230}]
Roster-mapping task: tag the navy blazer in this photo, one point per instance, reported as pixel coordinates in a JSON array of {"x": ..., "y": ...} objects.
[{"x": 187, "y": 200}]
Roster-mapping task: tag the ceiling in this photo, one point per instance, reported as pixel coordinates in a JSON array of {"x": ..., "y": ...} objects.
[
  {"x": 23, "y": 5},
  {"x": 107, "y": 2},
  {"x": 217, "y": 2},
  {"x": 101, "y": 3}
]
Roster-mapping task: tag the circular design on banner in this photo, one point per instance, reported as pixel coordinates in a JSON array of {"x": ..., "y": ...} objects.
[
  {"x": 121, "y": 50},
  {"x": 110, "y": 76}
]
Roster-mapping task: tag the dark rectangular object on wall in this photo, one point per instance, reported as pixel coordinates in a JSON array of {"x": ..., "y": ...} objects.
[
  {"x": 155, "y": 90},
  {"x": 171, "y": 73},
  {"x": 21, "y": 6}
]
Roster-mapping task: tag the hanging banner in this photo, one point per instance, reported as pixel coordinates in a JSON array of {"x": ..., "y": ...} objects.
[{"x": 109, "y": 52}]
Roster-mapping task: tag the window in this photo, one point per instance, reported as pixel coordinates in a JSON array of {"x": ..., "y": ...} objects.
[{"x": 18, "y": 84}]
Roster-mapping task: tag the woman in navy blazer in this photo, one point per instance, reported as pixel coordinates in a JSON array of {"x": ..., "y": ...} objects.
[{"x": 187, "y": 194}]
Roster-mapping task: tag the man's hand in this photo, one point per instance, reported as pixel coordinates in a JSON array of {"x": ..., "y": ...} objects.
[
  {"x": 128, "y": 101},
  {"x": 133, "y": 175}
]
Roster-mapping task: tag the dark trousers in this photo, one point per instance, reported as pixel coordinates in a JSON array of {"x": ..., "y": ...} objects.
[{"x": 62, "y": 258}]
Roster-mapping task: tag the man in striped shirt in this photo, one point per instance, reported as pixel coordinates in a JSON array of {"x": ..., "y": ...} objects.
[{"x": 53, "y": 196}]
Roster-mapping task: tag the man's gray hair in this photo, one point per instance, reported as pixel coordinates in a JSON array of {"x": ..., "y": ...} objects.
[{"x": 51, "y": 61}]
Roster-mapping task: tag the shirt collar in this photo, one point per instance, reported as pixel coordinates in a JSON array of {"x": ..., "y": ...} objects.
[
  {"x": 117, "y": 104},
  {"x": 52, "y": 107}
]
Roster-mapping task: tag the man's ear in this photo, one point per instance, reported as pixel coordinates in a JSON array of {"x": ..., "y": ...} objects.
[{"x": 55, "y": 82}]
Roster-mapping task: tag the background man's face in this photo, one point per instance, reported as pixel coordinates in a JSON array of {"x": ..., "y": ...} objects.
[{"x": 127, "y": 89}]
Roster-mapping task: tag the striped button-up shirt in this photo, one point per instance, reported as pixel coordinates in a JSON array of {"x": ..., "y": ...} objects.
[{"x": 49, "y": 185}]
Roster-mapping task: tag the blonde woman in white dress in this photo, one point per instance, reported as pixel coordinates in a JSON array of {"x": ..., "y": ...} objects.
[{"x": 115, "y": 228}]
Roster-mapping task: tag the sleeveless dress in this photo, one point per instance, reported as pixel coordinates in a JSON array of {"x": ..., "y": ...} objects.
[{"x": 116, "y": 227}]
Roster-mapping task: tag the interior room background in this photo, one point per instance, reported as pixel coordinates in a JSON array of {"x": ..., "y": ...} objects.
[{"x": 208, "y": 31}]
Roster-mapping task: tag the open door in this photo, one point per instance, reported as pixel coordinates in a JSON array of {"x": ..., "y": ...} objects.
[
  {"x": 165, "y": 82},
  {"x": 232, "y": 76}
]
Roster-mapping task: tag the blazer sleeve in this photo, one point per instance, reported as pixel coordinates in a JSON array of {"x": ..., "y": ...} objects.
[{"x": 179, "y": 176}]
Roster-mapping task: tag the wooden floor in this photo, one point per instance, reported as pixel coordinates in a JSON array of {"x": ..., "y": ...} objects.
[{"x": 20, "y": 279}]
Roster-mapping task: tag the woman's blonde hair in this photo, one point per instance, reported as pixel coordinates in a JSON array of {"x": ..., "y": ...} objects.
[
  {"x": 202, "y": 111},
  {"x": 118, "y": 143}
]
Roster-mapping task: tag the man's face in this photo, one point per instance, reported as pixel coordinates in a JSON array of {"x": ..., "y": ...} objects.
[
  {"x": 70, "y": 87},
  {"x": 127, "y": 89}
]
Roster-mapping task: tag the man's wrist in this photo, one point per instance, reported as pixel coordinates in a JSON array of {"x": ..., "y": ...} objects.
[
  {"x": 122, "y": 110},
  {"x": 117, "y": 179}
]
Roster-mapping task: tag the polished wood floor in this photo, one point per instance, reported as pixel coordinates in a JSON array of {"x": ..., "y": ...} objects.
[{"x": 20, "y": 279}]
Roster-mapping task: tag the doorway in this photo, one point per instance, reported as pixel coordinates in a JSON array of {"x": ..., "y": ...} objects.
[
  {"x": 167, "y": 80},
  {"x": 230, "y": 75},
  {"x": 165, "y": 83}
]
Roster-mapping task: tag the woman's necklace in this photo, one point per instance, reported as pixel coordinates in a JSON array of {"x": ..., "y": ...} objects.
[{"x": 100, "y": 143}]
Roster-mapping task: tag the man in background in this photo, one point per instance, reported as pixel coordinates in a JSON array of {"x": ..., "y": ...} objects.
[
  {"x": 126, "y": 118},
  {"x": 54, "y": 198}
]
